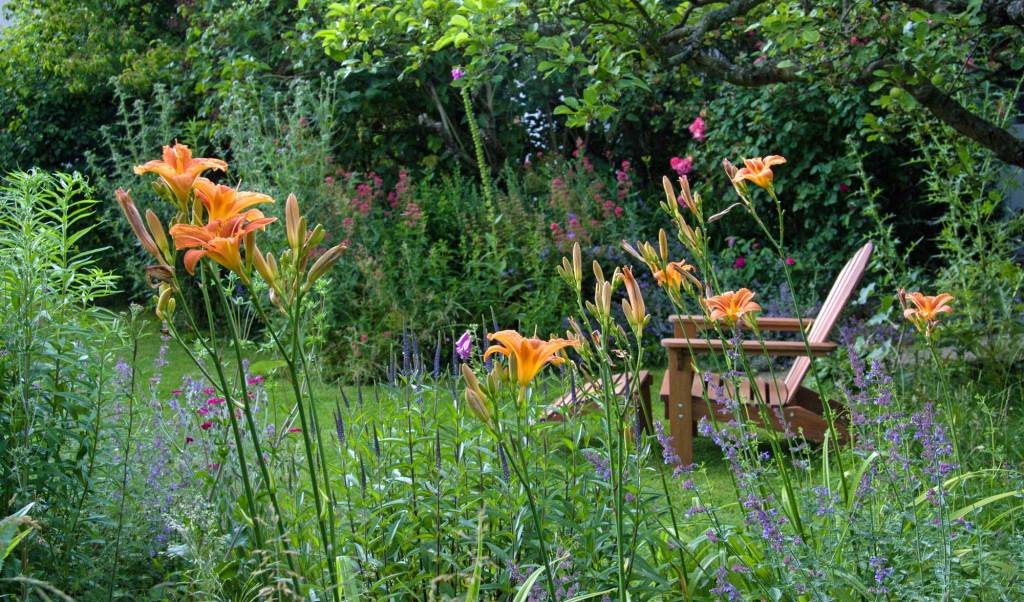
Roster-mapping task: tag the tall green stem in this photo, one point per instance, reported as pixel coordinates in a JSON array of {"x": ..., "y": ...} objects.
[
  {"x": 289, "y": 358},
  {"x": 519, "y": 467},
  {"x": 253, "y": 430},
  {"x": 478, "y": 147},
  {"x": 125, "y": 456},
  {"x": 225, "y": 386}
]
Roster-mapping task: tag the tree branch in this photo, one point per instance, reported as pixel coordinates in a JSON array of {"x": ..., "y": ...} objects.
[
  {"x": 989, "y": 135},
  {"x": 997, "y": 12},
  {"x": 712, "y": 20},
  {"x": 754, "y": 75}
]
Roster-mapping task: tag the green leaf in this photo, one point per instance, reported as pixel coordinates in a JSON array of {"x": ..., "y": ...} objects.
[{"x": 811, "y": 36}]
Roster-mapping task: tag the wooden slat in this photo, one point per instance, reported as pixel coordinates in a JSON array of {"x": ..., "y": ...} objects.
[
  {"x": 780, "y": 348},
  {"x": 777, "y": 324},
  {"x": 837, "y": 299}
]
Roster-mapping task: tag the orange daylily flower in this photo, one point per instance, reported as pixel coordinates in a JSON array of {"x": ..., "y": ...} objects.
[
  {"x": 758, "y": 171},
  {"x": 221, "y": 240},
  {"x": 223, "y": 202},
  {"x": 179, "y": 170},
  {"x": 529, "y": 355},
  {"x": 731, "y": 306},
  {"x": 672, "y": 275},
  {"x": 926, "y": 309}
]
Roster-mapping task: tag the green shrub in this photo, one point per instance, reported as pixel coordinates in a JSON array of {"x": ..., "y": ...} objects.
[{"x": 55, "y": 371}]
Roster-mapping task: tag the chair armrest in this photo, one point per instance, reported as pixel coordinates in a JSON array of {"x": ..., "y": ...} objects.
[
  {"x": 780, "y": 348},
  {"x": 764, "y": 323}
]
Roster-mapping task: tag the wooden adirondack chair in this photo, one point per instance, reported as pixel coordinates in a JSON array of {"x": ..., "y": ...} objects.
[{"x": 792, "y": 405}]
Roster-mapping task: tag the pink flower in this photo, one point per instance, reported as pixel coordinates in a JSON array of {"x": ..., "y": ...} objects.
[
  {"x": 697, "y": 129},
  {"x": 739, "y": 263},
  {"x": 790, "y": 261},
  {"x": 681, "y": 166},
  {"x": 458, "y": 74},
  {"x": 176, "y": 392},
  {"x": 843, "y": 188},
  {"x": 363, "y": 338},
  {"x": 214, "y": 401},
  {"x": 206, "y": 425},
  {"x": 209, "y": 391},
  {"x": 213, "y": 466},
  {"x": 329, "y": 181},
  {"x": 255, "y": 380},
  {"x": 295, "y": 429},
  {"x": 188, "y": 440},
  {"x": 203, "y": 411},
  {"x": 618, "y": 211}
]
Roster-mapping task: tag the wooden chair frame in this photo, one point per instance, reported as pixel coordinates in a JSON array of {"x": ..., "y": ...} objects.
[{"x": 795, "y": 404}]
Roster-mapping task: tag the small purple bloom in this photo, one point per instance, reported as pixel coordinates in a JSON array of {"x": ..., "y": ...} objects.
[
  {"x": 457, "y": 74},
  {"x": 464, "y": 346}
]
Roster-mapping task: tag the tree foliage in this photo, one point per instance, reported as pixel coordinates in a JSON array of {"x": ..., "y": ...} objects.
[{"x": 910, "y": 55}]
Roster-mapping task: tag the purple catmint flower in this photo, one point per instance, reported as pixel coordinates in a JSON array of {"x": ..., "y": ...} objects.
[
  {"x": 668, "y": 451},
  {"x": 723, "y": 588},
  {"x": 464, "y": 346},
  {"x": 600, "y": 464},
  {"x": 882, "y": 572}
]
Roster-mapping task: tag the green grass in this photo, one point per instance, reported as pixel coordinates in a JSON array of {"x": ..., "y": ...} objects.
[{"x": 712, "y": 477}]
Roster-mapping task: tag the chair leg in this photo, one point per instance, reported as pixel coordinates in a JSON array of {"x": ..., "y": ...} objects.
[
  {"x": 681, "y": 403},
  {"x": 644, "y": 407}
]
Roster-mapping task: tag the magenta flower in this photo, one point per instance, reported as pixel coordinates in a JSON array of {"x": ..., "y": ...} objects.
[
  {"x": 214, "y": 401},
  {"x": 681, "y": 166},
  {"x": 739, "y": 263},
  {"x": 843, "y": 188},
  {"x": 206, "y": 425},
  {"x": 176, "y": 392},
  {"x": 790, "y": 261},
  {"x": 458, "y": 74},
  {"x": 209, "y": 391},
  {"x": 254, "y": 380},
  {"x": 188, "y": 440},
  {"x": 203, "y": 411},
  {"x": 295, "y": 429},
  {"x": 697, "y": 129},
  {"x": 464, "y": 346}
]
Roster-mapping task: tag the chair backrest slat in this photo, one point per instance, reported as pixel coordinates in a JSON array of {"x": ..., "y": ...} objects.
[{"x": 837, "y": 299}]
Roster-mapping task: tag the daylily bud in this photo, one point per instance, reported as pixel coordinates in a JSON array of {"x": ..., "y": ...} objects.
[
  {"x": 165, "y": 303},
  {"x": 601, "y": 308},
  {"x": 686, "y": 198},
  {"x": 292, "y": 218},
  {"x": 324, "y": 263},
  {"x": 477, "y": 400},
  {"x": 598, "y": 272},
  {"x": 314, "y": 238},
  {"x": 577, "y": 262},
  {"x": 730, "y": 169},
  {"x": 158, "y": 233},
  {"x": 663, "y": 243},
  {"x": 249, "y": 240},
  {"x": 634, "y": 308},
  {"x": 135, "y": 221}
]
